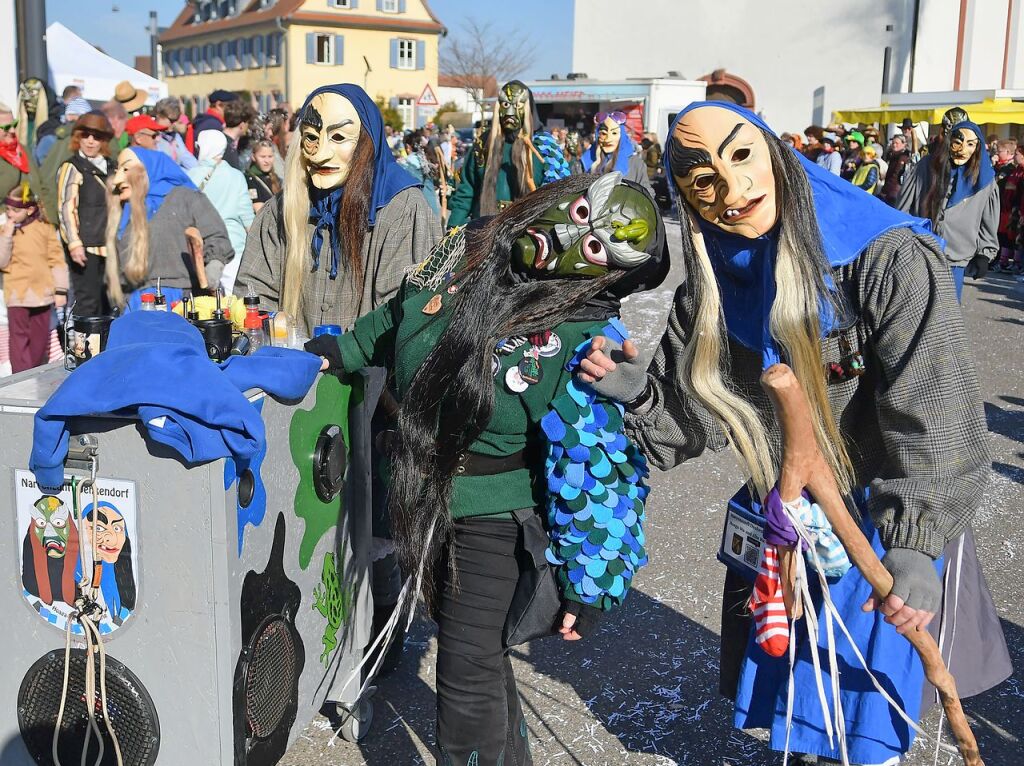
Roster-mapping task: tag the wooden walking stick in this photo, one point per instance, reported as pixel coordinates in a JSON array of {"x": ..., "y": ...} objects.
[
  {"x": 803, "y": 466},
  {"x": 195, "y": 246}
]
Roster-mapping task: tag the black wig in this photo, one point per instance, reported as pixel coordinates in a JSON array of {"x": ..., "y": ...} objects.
[{"x": 451, "y": 397}]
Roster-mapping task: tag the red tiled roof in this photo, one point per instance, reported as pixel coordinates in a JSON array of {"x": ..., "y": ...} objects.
[
  {"x": 291, "y": 10},
  {"x": 368, "y": 22}
]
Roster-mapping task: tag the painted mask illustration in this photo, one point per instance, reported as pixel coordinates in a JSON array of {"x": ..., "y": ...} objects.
[
  {"x": 108, "y": 525},
  {"x": 50, "y": 521}
]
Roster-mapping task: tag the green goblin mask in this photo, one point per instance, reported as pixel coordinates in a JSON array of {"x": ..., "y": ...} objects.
[
  {"x": 513, "y": 101},
  {"x": 50, "y": 519},
  {"x": 572, "y": 142},
  {"x": 28, "y": 94},
  {"x": 609, "y": 226}
]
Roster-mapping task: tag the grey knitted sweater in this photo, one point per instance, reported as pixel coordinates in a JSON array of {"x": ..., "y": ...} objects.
[{"x": 914, "y": 424}]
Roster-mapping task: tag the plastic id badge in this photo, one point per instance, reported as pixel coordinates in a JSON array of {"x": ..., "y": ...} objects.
[{"x": 743, "y": 535}]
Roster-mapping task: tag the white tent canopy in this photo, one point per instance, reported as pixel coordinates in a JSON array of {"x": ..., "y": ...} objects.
[{"x": 73, "y": 61}]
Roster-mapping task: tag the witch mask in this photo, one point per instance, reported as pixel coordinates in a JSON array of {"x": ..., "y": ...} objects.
[
  {"x": 329, "y": 130},
  {"x": 609, "y": 133},
  {"x": 609, "y": 226},
  {"x": 128, "y": 167},
  {"x": 513, "y": 101},
  {"x": 722, "y": 167},
  {"x": 963, "y": 143},
  {"x": 28, "y": 95},
  {"x": 50, "y": 520}
]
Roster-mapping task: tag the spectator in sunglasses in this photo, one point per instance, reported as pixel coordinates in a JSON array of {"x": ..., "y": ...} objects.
[
  {"x": 13, "y": 157},
  {"x": 143, "y": 130},
  {"x": 82, "y": 206}
]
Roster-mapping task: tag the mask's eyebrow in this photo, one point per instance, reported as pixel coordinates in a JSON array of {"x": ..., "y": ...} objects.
[
  {"x": 728, "y": 138},
  {"x": 337, "y": 125},
  {"x": 683, "y": 159},
  {"x": 312, "y": 118}
]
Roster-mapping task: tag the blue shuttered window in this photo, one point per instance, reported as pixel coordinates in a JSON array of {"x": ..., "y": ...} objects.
[
  {"x": 401, "y": 6},
  {"x": 339, "y": 50},
  {"x": 421, "y": 54},
  {"x": 310, "y": 47},
  {"x": 394, "y": 48}
]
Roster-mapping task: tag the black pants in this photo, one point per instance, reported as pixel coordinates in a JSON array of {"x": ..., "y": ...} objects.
[
  {"x": 479, "y": 718},
  {"x": 88, "y": 286}
]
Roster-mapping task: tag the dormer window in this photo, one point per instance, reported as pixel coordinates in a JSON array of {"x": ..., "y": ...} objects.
[{"x": 390, "y": 6}]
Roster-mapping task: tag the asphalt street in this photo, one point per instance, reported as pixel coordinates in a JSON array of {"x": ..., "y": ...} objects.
[{"x": 644, "y": 690}]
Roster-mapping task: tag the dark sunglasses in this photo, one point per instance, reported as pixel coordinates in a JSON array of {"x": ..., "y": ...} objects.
[
  {"x": 8, "y": 126},
  {"x": 619, "y": 117},
  {"x": 87, "y": 133}
]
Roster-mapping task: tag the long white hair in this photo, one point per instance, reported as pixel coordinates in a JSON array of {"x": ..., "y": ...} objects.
[{"x": 794, "y": 322}]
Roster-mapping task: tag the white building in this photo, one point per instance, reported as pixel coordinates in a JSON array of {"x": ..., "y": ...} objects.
[{"x": 795, "y": 61}]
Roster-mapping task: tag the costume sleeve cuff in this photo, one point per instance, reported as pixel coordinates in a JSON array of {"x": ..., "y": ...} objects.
[{"x": 923, "y": 539}]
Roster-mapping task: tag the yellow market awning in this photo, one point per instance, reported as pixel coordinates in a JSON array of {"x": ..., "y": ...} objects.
[{"x": 991, "y": 111}]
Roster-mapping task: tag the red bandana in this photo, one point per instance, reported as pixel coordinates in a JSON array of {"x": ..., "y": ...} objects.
[{"x": 15, "y": 155}]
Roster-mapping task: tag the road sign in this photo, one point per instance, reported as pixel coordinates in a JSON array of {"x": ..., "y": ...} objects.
[{"x": 427, "y": 97}]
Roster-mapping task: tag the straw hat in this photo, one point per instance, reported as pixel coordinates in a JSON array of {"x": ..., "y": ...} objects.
[{"x": 130, "y": 97}]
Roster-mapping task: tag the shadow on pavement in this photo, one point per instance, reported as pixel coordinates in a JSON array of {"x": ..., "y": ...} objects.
[{"x": 996, "y": 714}]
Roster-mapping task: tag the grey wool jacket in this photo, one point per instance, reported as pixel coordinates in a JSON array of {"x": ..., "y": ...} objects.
[
  {"x": 913, "y": 423},
  {"x": 405, "y": 232},
  {"x": 169, "y": 254},
  {"x": 969, "y": 227}
]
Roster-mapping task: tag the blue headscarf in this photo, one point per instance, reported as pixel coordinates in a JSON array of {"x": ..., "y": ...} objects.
[
  {"x": 962, "y": 186},
  {"x": 626, "y": 150},
  {"x": 164, "y": 174},
  {"x": 849, "y": 220},
  {"x": 389, "y": 177},
  {"x": 118, "y": 604}
]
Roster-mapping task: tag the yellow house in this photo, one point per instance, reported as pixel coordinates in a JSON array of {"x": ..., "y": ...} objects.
[{"x": 280, "y": 50}]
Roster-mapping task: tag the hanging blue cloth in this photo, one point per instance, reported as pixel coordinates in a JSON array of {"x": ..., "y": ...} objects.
[
  {"x": 626, "y": 150},
  {"x": 875, "y": 734},
  {"x": 848, "y": 219},
  {"x": 163, "y": 174},
  {"x": 389, "y": 178},
  {"x": 963, "y": 187}
]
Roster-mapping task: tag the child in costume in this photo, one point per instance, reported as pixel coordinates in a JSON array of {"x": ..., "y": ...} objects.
[
  {"x": 482, "y": 340},
  {"x": 35, "y": 279},
  {"x": 786, "y": 262}
]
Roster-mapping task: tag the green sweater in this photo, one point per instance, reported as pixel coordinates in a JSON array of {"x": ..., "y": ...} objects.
[
  {"x": 464, "y": 204},
  {"x": 401, "y": 325}
]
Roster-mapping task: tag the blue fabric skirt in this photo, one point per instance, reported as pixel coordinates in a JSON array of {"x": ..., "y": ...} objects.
[{"x": 875, "y": 732}]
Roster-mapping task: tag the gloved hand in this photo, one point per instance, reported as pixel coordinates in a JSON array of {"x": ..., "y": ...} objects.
[
  {"x": 977, "y": 267},
  {"x": 326, "y": 346},
  {"x": 914, "y": 578},
  {"x": 614, "y": 371},
  {"x": 588, "y": 619}
]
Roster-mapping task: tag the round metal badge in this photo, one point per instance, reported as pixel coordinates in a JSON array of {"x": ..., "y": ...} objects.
[
  {"x": 552, "y": 347},
  {"x": 514, "y": 381}
]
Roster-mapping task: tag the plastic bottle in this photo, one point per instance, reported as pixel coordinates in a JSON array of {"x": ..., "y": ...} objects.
[
  {"x": 254, "y": 322},
  {"x": 254, "y": 331},
  {"x": 148, "y": 302}
]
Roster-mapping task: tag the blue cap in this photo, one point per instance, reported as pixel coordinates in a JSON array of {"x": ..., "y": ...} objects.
[{"x": 326, "y": 329}]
